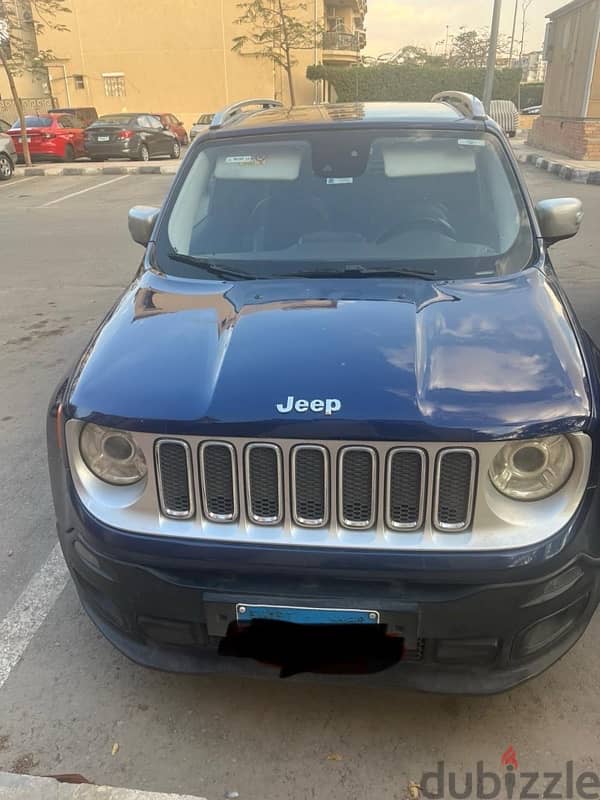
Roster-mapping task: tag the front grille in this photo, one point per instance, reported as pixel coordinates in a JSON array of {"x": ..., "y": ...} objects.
[
  {"x": 454, "y": 499},
  {"x": 263, "y": 483},
  {"x": 331, "y": 485},
  {"x": 173, "y": 465}
]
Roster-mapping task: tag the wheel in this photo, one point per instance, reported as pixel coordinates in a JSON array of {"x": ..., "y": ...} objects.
[
  {"x": 69, "y": 153},
  {"x": 176, "y": 149},
  {"x": 6, "y": 167},
  {"x": 143, "y": 153}
]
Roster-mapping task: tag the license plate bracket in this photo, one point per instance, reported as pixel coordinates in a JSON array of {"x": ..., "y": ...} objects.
[{"x": 300, "y": 615}]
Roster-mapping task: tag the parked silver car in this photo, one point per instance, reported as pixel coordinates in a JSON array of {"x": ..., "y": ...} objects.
[
  {"x": 8, "y": 157},
  {"x": 201, "y": 125},
  {"x": 505, "y": 113}
]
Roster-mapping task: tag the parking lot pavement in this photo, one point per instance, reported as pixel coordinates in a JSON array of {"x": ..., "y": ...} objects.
[{"x": 65, "y": 256}]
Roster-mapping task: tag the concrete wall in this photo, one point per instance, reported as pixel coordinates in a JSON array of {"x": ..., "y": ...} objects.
[{"x": 174, "y": 57}]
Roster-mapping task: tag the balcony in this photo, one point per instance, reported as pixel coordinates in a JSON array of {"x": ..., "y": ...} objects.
[{"x": 336, "y": 41}]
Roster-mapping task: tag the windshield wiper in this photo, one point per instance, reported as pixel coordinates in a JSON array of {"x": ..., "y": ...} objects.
[
  {"x": 360, "y": 271},
  {"x": 212, "y": 267}
]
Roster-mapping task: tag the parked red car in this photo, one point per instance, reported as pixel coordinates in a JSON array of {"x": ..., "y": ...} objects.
[
  {"x": 171, "y": 122},
  {"x": 51, "y": 136}
]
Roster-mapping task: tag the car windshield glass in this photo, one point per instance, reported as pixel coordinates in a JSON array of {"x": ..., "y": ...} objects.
[
  {"x": 205, "y": 119},
  {"x": 445, "y": 204},
  {"x": 113, "y": 120},
  {"x": 34, "y": 122}
]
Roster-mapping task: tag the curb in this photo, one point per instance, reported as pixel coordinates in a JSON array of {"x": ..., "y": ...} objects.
[
  {"x": 25, "y": 787},
  {"x": 559, "y": 168},
  {"x": 115, "y": 169}
]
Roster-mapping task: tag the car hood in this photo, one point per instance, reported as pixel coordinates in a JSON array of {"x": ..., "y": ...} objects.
[{"x": 404, "y": 359}]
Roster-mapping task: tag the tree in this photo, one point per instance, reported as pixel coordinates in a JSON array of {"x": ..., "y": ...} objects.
[
  {"x": 411, "y": 54},
  {"x": 277, "y": 28},
  {"x": 524, "y": 9},
  {"x": 470, "y": 48},
  {"x": 21, "y": 22}
]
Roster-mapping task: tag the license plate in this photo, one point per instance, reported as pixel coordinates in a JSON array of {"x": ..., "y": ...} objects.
[
  {"x": 306, "y": 616},
  {"x": 104, "y": 138}
]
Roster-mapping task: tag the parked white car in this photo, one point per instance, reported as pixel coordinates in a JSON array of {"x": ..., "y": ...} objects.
[
  {"x": 202, "y": 125},
  {"x": 506, "y": 114},
  {"x": 8, "y": 157}
]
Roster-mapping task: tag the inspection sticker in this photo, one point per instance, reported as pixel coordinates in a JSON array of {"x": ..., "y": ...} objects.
[
  {"x": 472, "y": 142},
  {"x": 247, "y": 161},
  {"x": 337, "y": 181}
]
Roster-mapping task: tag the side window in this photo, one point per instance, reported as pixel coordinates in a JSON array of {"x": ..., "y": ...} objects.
[
  {"x": 156, "y": 123},
  {"x": 144, "y": 122},
  {"x": 66, "y": 122}
]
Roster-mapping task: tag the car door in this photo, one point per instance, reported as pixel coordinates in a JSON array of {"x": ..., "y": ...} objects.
[
  {"x": 65, "y": 130},
  {"x": 73, "y": 128},
  {"x": 164, "y": 142},
  {"x": 149, "y": 134}
]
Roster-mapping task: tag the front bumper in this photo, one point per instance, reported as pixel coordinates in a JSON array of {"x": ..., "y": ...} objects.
[{"x": 168, "y": 605}]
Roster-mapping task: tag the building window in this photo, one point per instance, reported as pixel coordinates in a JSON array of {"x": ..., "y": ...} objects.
[
  {"x": 114, "y": 84},
  {"x": 79, "y": 81}
]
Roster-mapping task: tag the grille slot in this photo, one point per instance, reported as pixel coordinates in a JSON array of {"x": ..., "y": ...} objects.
[
  {"x": 174, "y": 473},
  {"x": 310, "y": 486},
  {"x": 358, "y": 481},
  {"x": 405, "y": 496},
  {"x": 264, "y": 488},
  {"x": 455, "y": 479},
  {"x": 219, "y": 481}
]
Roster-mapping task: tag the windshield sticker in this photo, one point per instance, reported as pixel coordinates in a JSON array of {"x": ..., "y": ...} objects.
[
  {"x": 472, "y": 142},
  {"x": 337, "y": 181},
  {"x": 247, "y": 161}
]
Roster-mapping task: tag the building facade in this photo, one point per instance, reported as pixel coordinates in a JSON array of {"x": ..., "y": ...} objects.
[
  {"x": 534, "y": 67},
  {"x": 570, "y": 118},
  {"x": 146, "y": 55}
]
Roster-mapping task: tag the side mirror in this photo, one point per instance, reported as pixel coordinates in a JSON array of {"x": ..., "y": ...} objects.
[
  {"x": 560, "y": 218},
  {"x": 141, "y": 221}
]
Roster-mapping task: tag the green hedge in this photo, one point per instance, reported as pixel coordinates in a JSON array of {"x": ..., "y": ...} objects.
[
  {"x": 531, "y": 94},
  {"x": 408, "y": 82}
]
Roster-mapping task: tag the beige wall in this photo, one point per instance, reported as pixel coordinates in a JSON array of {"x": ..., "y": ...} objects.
[
  {"x": 175, "y": 57},
  {"x": 574, "y": 40}
]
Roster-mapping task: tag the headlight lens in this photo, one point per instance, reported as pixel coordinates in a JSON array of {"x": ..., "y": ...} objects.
[
  {"x": 112, "y": 455},
  {"x": 533, "y": 469}
]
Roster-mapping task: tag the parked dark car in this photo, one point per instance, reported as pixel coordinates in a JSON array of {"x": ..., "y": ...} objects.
[
  {"x": 87, "y": 114},
  {"x": 344, "y": 417},
  {"x": 8, "y": 157},
  {"x": 52, "y": 137},
  {"x": 4, "y": 126},
  {"x": 138, "y": 137},
  {"x": 171, "y": 123}
]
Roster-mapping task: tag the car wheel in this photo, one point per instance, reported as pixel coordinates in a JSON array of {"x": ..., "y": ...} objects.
[
  {"x": 6, "y": 167},
  {"x": 175, "y": 149},
  {"x": 143, "y": 153},
  {"x": 69, "y": 153}
]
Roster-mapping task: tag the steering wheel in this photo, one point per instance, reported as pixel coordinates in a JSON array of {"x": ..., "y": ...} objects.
[{"x": 431, "y": 223}]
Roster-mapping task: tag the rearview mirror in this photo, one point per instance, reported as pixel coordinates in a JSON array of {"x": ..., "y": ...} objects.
[
  {"x": 560, "y": 218},
  {"x": 141, "y": 221}
]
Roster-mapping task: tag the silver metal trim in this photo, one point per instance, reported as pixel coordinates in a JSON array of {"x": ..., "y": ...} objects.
[
  {"x": 472, "y": 489},
  {"x": 221, "y": 518},
  {"x": 304, "y": 523},
  {"x": 468, "y": 104},
  {"x": 253, "y": 517},
  {"x": 225, "y": 115},
  {"x": 190, "y": 475},
  {"x": 374, "y": 499},
  {"x": 395, "y": 526}
]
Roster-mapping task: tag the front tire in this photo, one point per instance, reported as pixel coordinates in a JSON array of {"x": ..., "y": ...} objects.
[
  {"x": 175, "y": 150},
  {"x": 69, "y": 154},
  {"x": 6, "y": 167}
]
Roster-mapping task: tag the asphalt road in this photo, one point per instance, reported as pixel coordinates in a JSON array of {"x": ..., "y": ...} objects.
[{"x": 63, "y": 261}]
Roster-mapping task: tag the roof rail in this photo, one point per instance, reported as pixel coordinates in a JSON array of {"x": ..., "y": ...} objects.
[
  {"x": 224, "y": 116},
  {"x": 468, "y": 105}
]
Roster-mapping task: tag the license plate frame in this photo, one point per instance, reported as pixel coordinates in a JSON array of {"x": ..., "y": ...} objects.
[{"x": 302, "y": 615}]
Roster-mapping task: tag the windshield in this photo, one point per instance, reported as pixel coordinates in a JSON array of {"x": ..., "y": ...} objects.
[
  {"x": 445, "y": 204},
  {"x": 113, "y": 120},
  {"x": 205, "y": 119},
  {"x": 33, "y": 122}
]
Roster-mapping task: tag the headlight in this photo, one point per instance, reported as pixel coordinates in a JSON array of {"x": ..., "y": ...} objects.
[
  {"x": 534, "y": 469},
  {"x": 112, "y": 455}
]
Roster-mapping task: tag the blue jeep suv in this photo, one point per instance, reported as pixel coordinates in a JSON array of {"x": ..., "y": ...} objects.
[{"x": 344, "y": 420}]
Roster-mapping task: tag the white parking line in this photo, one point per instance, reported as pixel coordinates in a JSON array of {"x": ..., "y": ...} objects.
[
  {"x": 32, "y": 607},
  {"x": 83, "y": 191},
  {"x": 16, "y": 182}
]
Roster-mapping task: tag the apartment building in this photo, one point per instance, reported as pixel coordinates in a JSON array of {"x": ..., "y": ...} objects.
[{"x": 177, "y": 56}]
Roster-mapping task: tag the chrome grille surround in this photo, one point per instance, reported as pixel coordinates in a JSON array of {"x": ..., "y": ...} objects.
[
  {"x": 419, "y": 517},
  {"x": 186, "y": 480},
  {"x": 367, "y": 484},
  {"x": 252, "y": 481},
  {"x": 443, "y": 487},
  {"x": 498, "y": 523},
  {"x": 206, "y": 479},
  {"x": 323, "y": 518}
]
